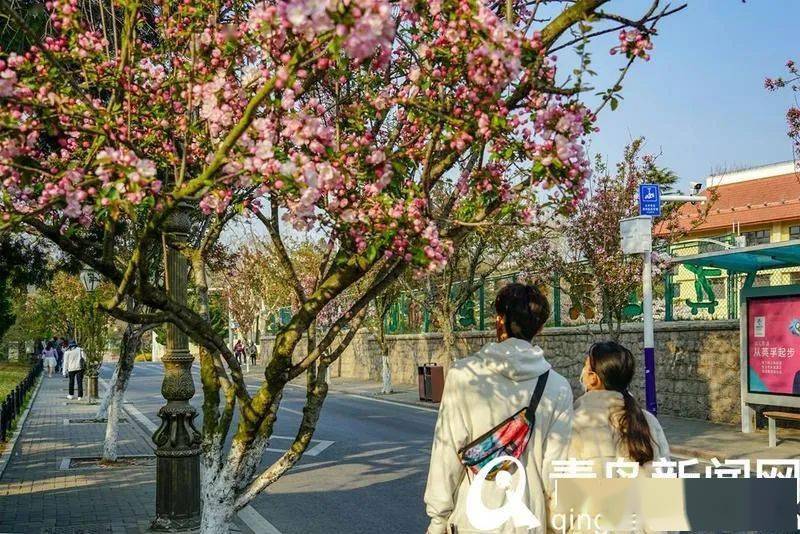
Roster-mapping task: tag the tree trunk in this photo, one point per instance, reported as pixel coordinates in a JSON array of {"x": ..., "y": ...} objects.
[
  {"x": 386, "y": 370},
  {"x": 448, "y": 335},
  {"x": 216, "y": 492},
  {"x": 112, "y": 403},
  {"x": 386, "y": 374}
]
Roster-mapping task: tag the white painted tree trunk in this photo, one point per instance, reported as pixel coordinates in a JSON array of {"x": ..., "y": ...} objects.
[
  {"x": 111, "y": 406},
  {"x": 112, "y": 426},
  {"x": 217, "y": 493},
  {"x": 102, "y": 410},
  {"x": 386, "y": 374}
]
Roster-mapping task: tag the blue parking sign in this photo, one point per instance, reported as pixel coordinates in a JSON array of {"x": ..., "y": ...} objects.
[{"x": 649, "y": 200}]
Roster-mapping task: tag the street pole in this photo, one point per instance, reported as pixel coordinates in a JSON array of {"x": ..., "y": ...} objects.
[
  {"x": 649, "y": 338},
  {"x": 637, "y": 238},
  {"x": 177, "y": 440}
]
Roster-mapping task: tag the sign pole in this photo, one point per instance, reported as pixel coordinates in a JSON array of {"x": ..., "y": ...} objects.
[
  {"x": 637, "y": 238},
  {"x": 649, "y": 338}
]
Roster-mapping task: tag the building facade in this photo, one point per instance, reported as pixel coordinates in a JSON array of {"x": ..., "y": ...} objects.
[{"x": 754, "y": 206}]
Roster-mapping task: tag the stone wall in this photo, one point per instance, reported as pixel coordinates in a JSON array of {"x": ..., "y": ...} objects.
[{"x": 697, "y": 362}]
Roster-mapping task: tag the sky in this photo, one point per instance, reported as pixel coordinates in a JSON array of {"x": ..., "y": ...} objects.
[{"x": 700, "y": 100}]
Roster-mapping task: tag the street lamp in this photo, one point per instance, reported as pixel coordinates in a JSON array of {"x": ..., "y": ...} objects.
[
  {"x": 91, "y": 281},
  {"x": 177, "y": 440}
]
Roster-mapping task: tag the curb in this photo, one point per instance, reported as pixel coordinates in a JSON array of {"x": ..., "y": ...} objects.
[
  {"x": 700, "y": 454},
  {"x": 12, "y": 443},
  {"x": 378, "y": 397}
]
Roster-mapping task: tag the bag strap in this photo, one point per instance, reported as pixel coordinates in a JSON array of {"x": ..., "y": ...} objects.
[{"x": 530, "y": 414}]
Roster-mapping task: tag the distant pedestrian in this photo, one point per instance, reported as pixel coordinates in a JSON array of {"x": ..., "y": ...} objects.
[
  {"x": 60, "y": 345},
  {"x": 49, "y": 358},
  {"x": 238, "y": 351},
  {"x": 253, "y": 350},
  {"x": 74, "y": 365}
]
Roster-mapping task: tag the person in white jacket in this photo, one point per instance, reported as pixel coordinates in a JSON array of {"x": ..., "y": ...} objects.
[
  {"x": 480, "y": 392},
  {"x": 73, "y": 367},
  {"x": 609, "y": 426}
]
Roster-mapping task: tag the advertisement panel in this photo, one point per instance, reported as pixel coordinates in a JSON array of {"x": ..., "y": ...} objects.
[{"x": 773, "y": 345}]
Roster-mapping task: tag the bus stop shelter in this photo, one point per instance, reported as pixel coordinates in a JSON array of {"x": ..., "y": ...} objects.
[{"x": 769, "y": 325}]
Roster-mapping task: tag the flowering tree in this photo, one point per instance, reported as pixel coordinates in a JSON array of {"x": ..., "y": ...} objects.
[
  {"x": 472, "y": 260},
  {"x": 342, "y": 117},
  {"x": 585, "y": 250},
  {"x": 792, "y": 81}
]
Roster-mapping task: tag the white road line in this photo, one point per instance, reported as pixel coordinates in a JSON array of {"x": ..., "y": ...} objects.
[
  {"x": 373, "y": 399},
  {"x": 256, "y": 521},
  {"x": 142, "y": 418},
  {"x": 318, "y": 448}
]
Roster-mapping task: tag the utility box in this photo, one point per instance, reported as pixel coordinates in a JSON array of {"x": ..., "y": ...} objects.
[{"x": 430, "y": 378}]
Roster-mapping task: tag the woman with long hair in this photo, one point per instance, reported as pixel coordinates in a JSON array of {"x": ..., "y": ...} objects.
[{"x": 609, "y": 425}]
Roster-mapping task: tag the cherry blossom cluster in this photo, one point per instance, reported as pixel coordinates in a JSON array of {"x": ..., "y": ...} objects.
[
  {"x": 793, "y": 113},
  {"x": 633, "y": 43},
  {"x": 344, "y": 112}
]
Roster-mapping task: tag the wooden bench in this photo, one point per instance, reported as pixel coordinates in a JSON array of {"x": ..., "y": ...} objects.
[{"x": 772, "y": 417}]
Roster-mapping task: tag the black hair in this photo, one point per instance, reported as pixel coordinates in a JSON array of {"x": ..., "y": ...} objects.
[
  {"x": 524, "y": 309},
  {"x": 614, "y": 365}
]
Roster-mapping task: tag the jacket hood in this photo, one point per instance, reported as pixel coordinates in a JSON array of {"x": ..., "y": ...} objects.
[{"x": 515, "y": 359}]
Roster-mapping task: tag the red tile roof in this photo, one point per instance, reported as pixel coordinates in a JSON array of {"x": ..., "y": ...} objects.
[{"x": 764, "y": 200}]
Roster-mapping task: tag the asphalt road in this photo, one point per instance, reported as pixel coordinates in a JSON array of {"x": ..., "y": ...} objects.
[{"x": 364, "y": 472}]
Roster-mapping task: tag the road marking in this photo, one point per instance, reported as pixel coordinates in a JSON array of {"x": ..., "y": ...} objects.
[
  {"x": 316, "y": 450},
  {"x": 256, "y": 521},
  {"x": 142, "y": 418},
  {"x": 319, "y": 447},
  {"x": 373, "y": 399}
]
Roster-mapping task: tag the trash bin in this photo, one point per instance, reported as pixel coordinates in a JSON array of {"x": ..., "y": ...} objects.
[
  {"x": 430, "y": 378},
  {"x": 423, "y": 391}
]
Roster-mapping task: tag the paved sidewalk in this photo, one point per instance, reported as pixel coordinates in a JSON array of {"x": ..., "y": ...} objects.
[{"x": 37, "y": 493}]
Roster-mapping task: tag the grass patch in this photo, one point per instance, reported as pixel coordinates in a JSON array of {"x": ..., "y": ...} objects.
[{"x": 11, "y": 374}]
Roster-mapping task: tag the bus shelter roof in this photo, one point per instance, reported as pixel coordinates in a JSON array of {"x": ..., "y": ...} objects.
[{"x": 748, "y": 259}]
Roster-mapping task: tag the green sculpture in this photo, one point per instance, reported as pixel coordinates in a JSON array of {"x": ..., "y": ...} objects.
[{"x": 703, "y": 289}]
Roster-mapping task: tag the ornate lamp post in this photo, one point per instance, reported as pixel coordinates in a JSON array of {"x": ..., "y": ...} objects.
[
  {"x": 91, "y": 281},
  {"x": 177, "y": 440}
]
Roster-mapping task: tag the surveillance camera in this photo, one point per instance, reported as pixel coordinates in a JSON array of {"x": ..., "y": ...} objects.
[{"x": 696, "y": 187}]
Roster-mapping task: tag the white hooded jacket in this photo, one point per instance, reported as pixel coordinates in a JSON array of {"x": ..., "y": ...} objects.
[
  {"x": 480, "y": 392},
  {"x": 72, "y": 359}
]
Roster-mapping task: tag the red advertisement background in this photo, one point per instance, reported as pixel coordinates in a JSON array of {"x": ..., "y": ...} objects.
[{"x": 773, "y": 359}]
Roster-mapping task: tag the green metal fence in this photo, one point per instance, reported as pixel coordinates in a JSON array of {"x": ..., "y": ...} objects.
[
  {"x": 685, "y": 293},
  {"x": 704, "y": 293}
]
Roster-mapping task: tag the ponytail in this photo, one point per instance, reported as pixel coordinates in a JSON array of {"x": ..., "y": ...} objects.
[
  {"x": 614, "y": 364},
  {"x": 635, "y": 431}
]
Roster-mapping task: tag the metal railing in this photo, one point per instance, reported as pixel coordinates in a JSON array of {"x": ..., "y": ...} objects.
[
  {"x": 684, "y": 293},
  {"x": 12, "y": 404}
]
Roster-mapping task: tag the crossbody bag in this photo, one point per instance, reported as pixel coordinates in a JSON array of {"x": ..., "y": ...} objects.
[{"x": 509, "y": 438}]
